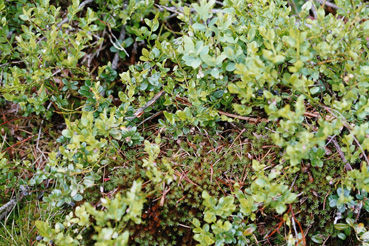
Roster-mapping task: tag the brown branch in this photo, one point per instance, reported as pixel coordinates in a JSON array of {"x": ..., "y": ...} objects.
[
  {"x": 329, "y": 4},
  {"x": 150, "y": 117},
  {"x": 7, "y": 122},
  {"x": 121, "y": 38},
  {"x": 342, "y": 155},
  {"x": 325, "y": 198},
  {"x": 185, "y": 101},
  {"x": 302, "y": 232},
  {"x": 141, "y": 110},
  {"x": 16, "y": 144},
  {"x": 65, "y": 20},
  {"x": 349, "y": 128},
  {"x": 250, "y": 119},
  {"x": 230, "y": 146}
]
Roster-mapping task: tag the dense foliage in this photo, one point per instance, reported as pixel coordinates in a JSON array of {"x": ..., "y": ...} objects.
[{"x": 142, "y": 122}]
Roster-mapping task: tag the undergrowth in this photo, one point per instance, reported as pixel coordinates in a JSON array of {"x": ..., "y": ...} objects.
[{"x": 184, "y": 122}]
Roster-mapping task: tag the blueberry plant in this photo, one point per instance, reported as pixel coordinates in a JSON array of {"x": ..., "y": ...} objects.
[{"x": 142, "y": 88}]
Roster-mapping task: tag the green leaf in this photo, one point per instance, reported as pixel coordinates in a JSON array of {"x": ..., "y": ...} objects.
[
  {"x": 199, "y": 27},
  {"x": 281, "y": 208},
  {"x": 365, "y": 236},
  {"x": 365, "y": 70},
  {"x": 67, "y": 133},
  {"x": 209, "y": 216},
  {"x": 196, "y": 222},
  {"x": 249, "y": 230},
  {"x": 242, "y": 109},
  {"x": 247, "y": 206},
  {"x": 44, "y": 229},
  {"x": 115, "y": 133},
  {"x": 233, "y": 88},
  {"x": 78, "y": 197},
  {"x": 170, "y": 117},
  {"x": 307, "y": 6},
  {"x": 321, "y": 13},
  {"x": 318, "y": 238},
  {"x": 341, "y": 226},
  {"x": 262, "y": 182},
  {"x": 341, "y": 236},
  {"x": 204, "y": 9},
  {"x": 24, "y": 17}
]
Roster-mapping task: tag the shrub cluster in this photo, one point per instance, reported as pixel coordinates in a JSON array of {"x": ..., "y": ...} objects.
[{"x": 142, "y": 96}]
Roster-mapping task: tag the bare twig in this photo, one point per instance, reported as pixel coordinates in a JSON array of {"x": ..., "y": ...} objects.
[
  {"x": 243, "y": 130},
  {"x": 17, "y": 143},
  {"x": 294, "y": 227},
  {"x": 116, "y": 42},
  {"x": 180, "y": 9},
  {"x": 65, "y": 20},
  {"x": 302, "y": 232},
  {"x": 8, "y": 207},
  {"x": 361, "y": 148},
  {"x": 326, "y": 240},
  {"x": 150, "y": 117},
  {"x": 294, "y": 180},
  {"x": 325, "y": 198},
  {"x": 329, "y": 4},
  {"x": 358, "y": 210},
  {"x": 97, "y": 52},
  {"x": 141, "y": 110},
  {"x": 184, "y": 226},
  {"x": 163, "y": 197},
  {"x": 345, "y": 123},
  {"x": 122, "y": 35},
  {"x": 342, "y": 155},
  {"x": 84, "y": 3},
  {"x": 250, "y": 119}
]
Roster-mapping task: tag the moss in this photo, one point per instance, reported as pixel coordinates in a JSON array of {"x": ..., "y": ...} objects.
[{"x": 184, "y": 202}]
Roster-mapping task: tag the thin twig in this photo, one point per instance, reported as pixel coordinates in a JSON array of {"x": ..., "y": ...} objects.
[
  {"x": 358, "y": 210},
  {"x": 230, "y": 146},
  {"x": 326, "y": 240},
  {"x": 150, "y": 117},
  {"x": 184, "y": 226},
  {"x": 180, "y": 10},
  {"x": 42, "y": 122},
  {"x": 250, "y": 119},
  {"x": 65, "y": 20},
  {"x": 116, "y": 42},
  {"x": 18, "y": 143},
  {"x": 349, "y": 129},
  {"x": 163, "y": 197},
  {"x": 141, "y": 110},
  {"x": 342, "y": 155},
  {"x": 302, "y": 232},
  {"x": 97, "y": 52},
  {"x": 329, "y": 4},
  {"x": 361, "y": 148},
  {"x": 6, "y": 208},
  {"x": 9, "y": 206},
  {"x": 325, "y": 198},
  {"x": 294, "y": 227},
  {"x": 294, "y": 180},
  {"x": 122, "y": 35}
]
